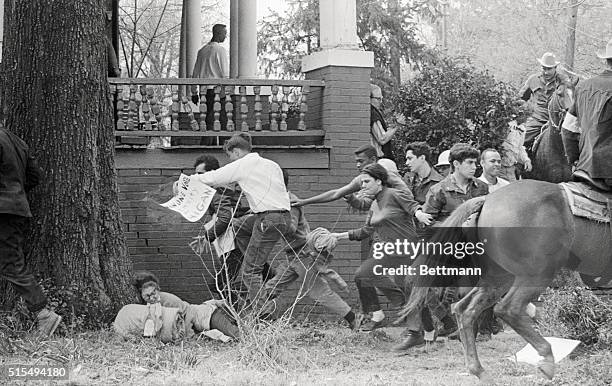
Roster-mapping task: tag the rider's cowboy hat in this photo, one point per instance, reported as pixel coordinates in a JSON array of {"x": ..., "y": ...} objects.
[
  {"x": 607, "y": 54},
  {"x": 548, "y": 60}
]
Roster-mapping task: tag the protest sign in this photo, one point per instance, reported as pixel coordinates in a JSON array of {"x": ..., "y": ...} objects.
[{"x": 192, "y": 198}]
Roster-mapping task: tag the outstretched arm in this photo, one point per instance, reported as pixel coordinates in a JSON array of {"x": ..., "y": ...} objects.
[
  {"x": 329, "y": 196},
  {"x": 357, "y": 234}
]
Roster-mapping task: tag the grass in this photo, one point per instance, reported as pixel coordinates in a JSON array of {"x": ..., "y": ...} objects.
[{"x": 287, "y": 353}]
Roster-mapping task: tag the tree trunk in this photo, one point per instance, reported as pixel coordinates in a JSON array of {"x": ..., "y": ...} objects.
[
  {"x": 56, "y": 97},
  {"x": 570, "y": 45},
  {"x": 395, "y": 51}
]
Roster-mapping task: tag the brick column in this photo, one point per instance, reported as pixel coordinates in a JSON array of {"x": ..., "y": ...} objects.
[
  {"x": 345, "y": 103},
  {"x": 344, "y": 113}
]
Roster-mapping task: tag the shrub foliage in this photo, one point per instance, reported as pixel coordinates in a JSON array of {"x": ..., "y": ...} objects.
[
  {"x": 577, "y": 313},
  {"x": 450, "y": 101}
]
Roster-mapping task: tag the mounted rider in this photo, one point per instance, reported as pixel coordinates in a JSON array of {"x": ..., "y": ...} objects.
[
  {"x": 538, "y": 89},
  {"x": 587, "y": 128}
]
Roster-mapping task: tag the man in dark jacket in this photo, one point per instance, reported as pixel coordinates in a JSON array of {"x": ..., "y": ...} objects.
[
  {"x": 380, "y": 134},
  {"x": 587, "y": 129},
  {"x": 18, "y": 174}
]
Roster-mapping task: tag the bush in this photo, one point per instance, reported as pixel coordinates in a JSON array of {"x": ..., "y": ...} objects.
[
  {"x": 450, "y": 101},
  {"x": 576, "y": 313}
]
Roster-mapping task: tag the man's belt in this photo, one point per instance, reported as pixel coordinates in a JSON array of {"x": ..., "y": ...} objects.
[{"x": 273, "y": 211}]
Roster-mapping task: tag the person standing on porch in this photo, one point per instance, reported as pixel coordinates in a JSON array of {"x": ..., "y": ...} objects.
[
  {"x": 212, "y": 62},
  {"x": 261, "y": 181}
]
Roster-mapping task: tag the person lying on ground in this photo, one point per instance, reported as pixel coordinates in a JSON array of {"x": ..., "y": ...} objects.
[{"x": 198, "y": 317}]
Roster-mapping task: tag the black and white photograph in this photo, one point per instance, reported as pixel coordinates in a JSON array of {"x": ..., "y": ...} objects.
[{"x": 306, "y": 192}]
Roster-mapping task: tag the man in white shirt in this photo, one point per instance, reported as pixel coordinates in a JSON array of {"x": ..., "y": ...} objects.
[
  {"x": 261, "y": 181},
  {"x": 490, "y": 160},
  {"x": 212, "y": 63}
]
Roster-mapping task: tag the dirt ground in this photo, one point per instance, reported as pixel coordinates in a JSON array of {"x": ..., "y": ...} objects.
[{"x": 303, "y": 354}]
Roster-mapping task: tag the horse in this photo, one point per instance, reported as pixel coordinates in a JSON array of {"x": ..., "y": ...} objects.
[
  {"x": 529, "y": 234},
  {"x": 549, "y": 162}
]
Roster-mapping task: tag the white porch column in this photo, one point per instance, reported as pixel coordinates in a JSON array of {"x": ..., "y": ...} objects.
[
  {"x": 193, "y": 9},
  {"x": 183, "y": 44},
  {"x": 247, "y": 39},
  {"x": 1, "y": 26},
  {"x": 234, "y": 37},
  {"x": 339, "y": 41},
  {"x": 338, "y": 23}
]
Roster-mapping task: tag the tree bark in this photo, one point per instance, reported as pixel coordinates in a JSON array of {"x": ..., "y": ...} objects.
[
  {"x": 570, "y": 45},
  {"x": 56, "y": 97},
  {"x": 395, "y": 51}
]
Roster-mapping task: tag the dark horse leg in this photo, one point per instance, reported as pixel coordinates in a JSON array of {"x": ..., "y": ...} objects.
[
  {"x": 467, "y": 311},
  {"x": 512, "y": 310}
]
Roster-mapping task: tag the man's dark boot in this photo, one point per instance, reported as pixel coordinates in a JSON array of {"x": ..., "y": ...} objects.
[
  {"x": 413, "y": 339},
  {"x": 497, "y": 326}
]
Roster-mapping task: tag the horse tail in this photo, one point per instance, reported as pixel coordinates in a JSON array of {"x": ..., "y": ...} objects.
[{"x": 448, "y": 232}]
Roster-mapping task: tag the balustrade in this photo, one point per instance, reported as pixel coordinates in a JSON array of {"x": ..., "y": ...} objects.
[{"x": 264, "y": 108}]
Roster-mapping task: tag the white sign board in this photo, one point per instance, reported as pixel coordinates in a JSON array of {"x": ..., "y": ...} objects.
[
  {"x": 192, "y": 198},
  {"x": 225, "y": 242}
]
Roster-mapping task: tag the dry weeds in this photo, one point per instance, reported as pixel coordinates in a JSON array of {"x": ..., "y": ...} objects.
[{"x": 286, "y": 353}]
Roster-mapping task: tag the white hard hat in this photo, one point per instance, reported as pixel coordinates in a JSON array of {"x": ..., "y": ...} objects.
[{"x": 443, "y": 158}]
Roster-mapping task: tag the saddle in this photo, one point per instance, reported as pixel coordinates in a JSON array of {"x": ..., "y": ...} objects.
[
  {"x": 587, "y": 202},
  {"x": 595, "y": 205}
]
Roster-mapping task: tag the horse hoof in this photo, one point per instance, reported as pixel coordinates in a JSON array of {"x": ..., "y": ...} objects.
[
  {"x": 485, "y": 378},
  {"x": 478, "y": 371},
  {"x": 547, "y": 367}
]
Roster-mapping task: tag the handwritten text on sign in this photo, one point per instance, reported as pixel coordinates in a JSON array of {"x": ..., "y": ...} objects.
[{"x": 192, "y": 198}]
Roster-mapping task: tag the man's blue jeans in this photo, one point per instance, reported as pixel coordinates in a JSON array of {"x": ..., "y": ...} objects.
[{"x": 256, "y": 236}]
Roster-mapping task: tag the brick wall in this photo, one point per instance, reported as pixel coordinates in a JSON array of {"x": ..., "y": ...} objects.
[{"x": 160, "y": 243}]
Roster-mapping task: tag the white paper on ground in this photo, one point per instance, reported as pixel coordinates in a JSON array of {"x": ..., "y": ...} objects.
[
  {"x": 560, "y": 349},
  {"x": 192, "y": 199},
  {"x": 217, "y": 335}
]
